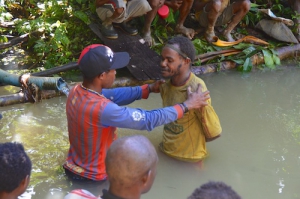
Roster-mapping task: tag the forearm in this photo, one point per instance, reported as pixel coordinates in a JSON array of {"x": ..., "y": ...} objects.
[{"x": 139, "y": 119}]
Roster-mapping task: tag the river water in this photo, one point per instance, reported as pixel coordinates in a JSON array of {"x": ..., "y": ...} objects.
[{"x": 258, "y": 153}]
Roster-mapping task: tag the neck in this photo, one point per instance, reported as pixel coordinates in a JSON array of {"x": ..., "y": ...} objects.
[
  {"x": 4, "y": 195},
  {"x": 125, "y": 192},
  {"x": 180, "y": 80},
  {"x": 92, "y": 86}
]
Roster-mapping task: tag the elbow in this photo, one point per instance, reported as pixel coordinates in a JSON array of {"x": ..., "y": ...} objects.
[{"x": 212, "y": 139}]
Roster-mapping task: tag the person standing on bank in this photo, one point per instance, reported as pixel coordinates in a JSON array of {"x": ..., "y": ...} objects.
[
  {"x": 94, "y": 111},
  {"x": 185, "y": 138}
]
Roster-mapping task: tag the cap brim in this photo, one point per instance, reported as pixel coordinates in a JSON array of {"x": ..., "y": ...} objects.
[{"x": 121, "y": 59}]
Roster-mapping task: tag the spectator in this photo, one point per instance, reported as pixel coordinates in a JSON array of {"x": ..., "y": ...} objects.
[
  {"x": 131, "y": 164},
  {"x": 185, "y": 138},
  {"x": 214, "y": 13},
  {"x": 295, "y": 5},
  {"x": 15, "y": 169},
  {"x": 119, "y": 13},
  {"x": 184, "y": 7},
  {"x": 94, "y": 111},
  {"x": 146, "y": 31},
  {"x": 214, "y": 190}
]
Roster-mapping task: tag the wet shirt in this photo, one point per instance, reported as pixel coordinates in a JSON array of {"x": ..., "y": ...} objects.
[
  {"x": 185, "y": 138},
  {"x": 92, "y": 121},
  {"x": 84, "y": 194}
]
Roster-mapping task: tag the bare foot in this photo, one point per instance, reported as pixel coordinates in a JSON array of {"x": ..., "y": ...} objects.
[
  {"x": 228, "y": 36},
  {"x": 188, "y": 32},
  {"x": 209, "y": 36}
]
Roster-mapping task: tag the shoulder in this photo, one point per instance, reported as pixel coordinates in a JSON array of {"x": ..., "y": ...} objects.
[
  {"x": 195, "y": 81},
  {"x": 81, "y": 194}
]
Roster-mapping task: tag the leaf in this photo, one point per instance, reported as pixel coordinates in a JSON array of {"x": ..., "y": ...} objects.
[
  {"x": 81, "y": 15},
  {"x": 246, "y": 64},
  {"x": 154, "y": 22},
  {"x": 268, "y": 57},
  {"x": 242, "y": 46},
  {"x": 249, "y": 50},
  {"x": 238, "y": 61},
  {"x": 170, "y": 18},
  {"x": 275, "y": 57}
]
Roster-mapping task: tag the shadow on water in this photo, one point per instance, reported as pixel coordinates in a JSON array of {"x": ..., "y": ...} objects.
[{"x": 258, "y": 153}]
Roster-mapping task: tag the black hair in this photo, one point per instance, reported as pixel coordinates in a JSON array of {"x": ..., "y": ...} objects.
[
  {"x": 186, "y": 46},
  {"x": 214, "y": 190},
  {"x": 15, "y": 165}
]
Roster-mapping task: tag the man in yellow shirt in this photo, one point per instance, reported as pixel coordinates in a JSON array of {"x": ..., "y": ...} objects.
[{"x": 185, "y": 138}]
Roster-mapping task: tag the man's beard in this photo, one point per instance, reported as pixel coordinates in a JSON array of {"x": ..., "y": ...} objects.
[{"x": 168, "y": 70}]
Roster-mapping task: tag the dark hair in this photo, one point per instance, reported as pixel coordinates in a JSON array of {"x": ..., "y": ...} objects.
[
  {"x": 214, "y": 190},
  {"x": 15, "y": 165},
  {"x": 185, "y": 45}
]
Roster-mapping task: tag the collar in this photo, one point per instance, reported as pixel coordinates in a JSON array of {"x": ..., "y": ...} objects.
[{"x": 92, "y": 91}]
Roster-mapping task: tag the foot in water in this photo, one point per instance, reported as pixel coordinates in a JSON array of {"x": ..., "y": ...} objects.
[{"x": 188, "y": 32}]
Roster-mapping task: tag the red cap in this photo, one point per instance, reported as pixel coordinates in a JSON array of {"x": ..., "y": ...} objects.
[
  {"x": 163, "y": 11},
  {"x": 97, "y": 58}
]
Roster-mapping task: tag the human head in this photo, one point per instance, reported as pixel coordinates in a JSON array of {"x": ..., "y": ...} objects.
[
  {"x": 15, "y": 168},
  {"x": 96, "y": 59},
  {"x": 177, "y": 57},
  {"x": 131, "y": 163},
  {"x": 184, "y": 47},
  {"x": 214, "y": 190}
]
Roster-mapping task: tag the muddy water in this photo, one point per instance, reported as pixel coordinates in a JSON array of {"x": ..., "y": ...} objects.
[{"x": 258, "y": 153}]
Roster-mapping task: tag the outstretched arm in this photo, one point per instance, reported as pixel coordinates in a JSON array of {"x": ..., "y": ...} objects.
[{"x": 135, "y": 118}]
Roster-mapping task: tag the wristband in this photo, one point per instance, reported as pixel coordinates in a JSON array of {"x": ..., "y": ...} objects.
[{"x": 185, "y": 107}]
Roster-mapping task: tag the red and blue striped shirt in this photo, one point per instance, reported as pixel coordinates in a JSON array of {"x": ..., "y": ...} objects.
[{"x": 92, "y": 121}]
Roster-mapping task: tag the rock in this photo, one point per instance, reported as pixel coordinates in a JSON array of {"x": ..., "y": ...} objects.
[{"x": 277, "y": 30}]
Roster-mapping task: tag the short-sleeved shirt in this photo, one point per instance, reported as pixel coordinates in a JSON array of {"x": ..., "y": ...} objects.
[{"x": 184, "y": 138}]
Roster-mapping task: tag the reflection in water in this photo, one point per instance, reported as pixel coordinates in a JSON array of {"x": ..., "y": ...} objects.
[{"x": 258, "y": 153}]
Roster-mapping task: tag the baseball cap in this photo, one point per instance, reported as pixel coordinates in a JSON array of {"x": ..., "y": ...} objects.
[{"x": 97, "y": 58}]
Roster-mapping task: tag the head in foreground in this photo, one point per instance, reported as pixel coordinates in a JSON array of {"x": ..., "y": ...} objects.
[
  {"x": 214, "y": 190},
  {"x": 177, "y": 57},
  {"x": 15, "y": 169},
  {"x": 131, "y": 166},
  {"x": 98, "y": 63}
]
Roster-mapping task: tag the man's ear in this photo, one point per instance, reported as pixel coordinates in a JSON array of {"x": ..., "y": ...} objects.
[
  {"x": 146, "y": 177},
  {"x": 24, "y": 184},
  {"x": 187, "y": 61},
  {"x": 101, "y": 76}
]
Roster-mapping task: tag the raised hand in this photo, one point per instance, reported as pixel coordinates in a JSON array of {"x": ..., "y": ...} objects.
[{"x": 196, "y": 99}]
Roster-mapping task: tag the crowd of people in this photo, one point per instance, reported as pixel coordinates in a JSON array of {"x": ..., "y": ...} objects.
[{"x": 209, "y": 14}]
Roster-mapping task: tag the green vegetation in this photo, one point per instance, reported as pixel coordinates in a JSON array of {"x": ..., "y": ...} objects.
[{"x": 58, "y": 31}]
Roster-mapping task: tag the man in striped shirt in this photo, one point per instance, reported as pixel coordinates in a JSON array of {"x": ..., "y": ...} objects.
[{"x": 94, "y": 111}]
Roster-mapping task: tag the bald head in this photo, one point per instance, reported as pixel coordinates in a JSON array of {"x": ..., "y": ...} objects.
[{"x": 129, "y": 159}]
